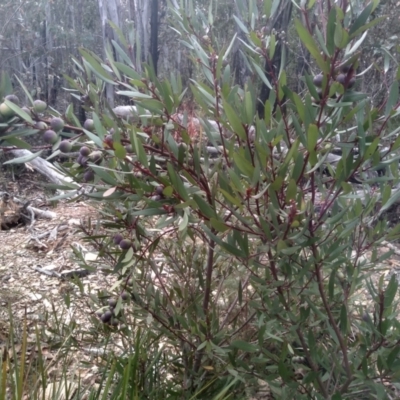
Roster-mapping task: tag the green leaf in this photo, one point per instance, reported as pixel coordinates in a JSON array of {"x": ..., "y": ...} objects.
[
  {"x": 244, "y": 346},
  {"x": 234, "y": 120},
  {"x": 23, "y": 159},
  {"x": 21, "y": 113},
  {"x": 361, "y": 19},
  {"x": 261, "y": 74},
  {"x": 391, "y": 291},
  {"x": 14, "y": 141},
  {"x": 241, "y": 25},
  {"x": 119, "y": 150},
  {"x": 330, "y": 31},
  {"x": 243, "y": 164},
  {"x": 204, "y": 207},
  {"x": 95, "y": 67},
  {"x": 312, "y": 137},
  {"x": 311, "y": 46},
  {"x": 393, "y": 97}
]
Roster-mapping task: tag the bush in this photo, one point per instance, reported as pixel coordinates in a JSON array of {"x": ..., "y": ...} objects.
[{"x": 246, "y": 240}]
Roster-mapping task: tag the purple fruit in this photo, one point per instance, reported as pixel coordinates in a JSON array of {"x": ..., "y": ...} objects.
[
  {"x": 50, "y": 136},
  {"x": 125, "y": 296},
  {"x": 159, "y": 190},
  {"x": 128, "y": 148},
  {"x": 13, "y": 98},
  {"x": 125, "y": 244},
  {"x": 117, "y": 238},
  {"x": 65, "y": 146},
  {"x": 112, "y": 302},
  {"x": 341, "y": 78},
  {"x": 106, "y": 316},
  {"x": 88, "y": 175},
  {"x": 82, "y": 161},
  {"x": 318, "y": 80},
  {"x": 85, "y": 151}
]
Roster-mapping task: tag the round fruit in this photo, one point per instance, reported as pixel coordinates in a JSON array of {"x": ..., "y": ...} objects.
[
  {"x": 50, "y": 137},
  {"x": 159, "y": 190},
  {"x": 84, "y": 151},
  {"x": 57, "y": 124},
  {"x": 96, "y": 157},
  {"x": 351, "y": 83},
  {"x": 318, "y": 80},
  {"x": 65, "y": 146},
  {"x": 6, "y": 111},
  {"x": 41, "y": 125},
  {"x": 117, "y": 238},
  {"x": 114, "y": 322},
  {"x": 89, "y": 124},
  {"x": 39, "y": 106},
  {"x": 13, "y": 98},
  {"x": 111, "y": 131},
  {"x": 345, "y": 68},
  {"x": 106, "y": 316},
  {"x": 128, "y": 148},
  {"x": 82, "y": 161},
  {"x": 341, "y": 78},
  {"x": 112, "y": 302},
  {"x": 27, "y": 110},
  {"x": 125, "y": 244},
  {"x": 130, "y": 282},
  {"x": 125, "y": 296},
  {"x": 88, "y": 175}
]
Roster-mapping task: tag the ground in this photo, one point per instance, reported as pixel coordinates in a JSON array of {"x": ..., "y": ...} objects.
[{"x": 25, "y": 291}]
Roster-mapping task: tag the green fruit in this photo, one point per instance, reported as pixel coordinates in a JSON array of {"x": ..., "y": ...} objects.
[
  {"x": 318, "y": 80},
  {"x": 39, "y": 106},
  {"x": 96, "y": 157},
  {"x": 125, "y": 244},
  {"x": 65, "y": 146},
  {"x": 89, "y": 125},
  {"x": 50, "y": 137},
  {"x": 6, "y": 111},
  {"x": 41, "y": 125},
  {"x": 27, "y": 110},
  {"x": 57, "y": 124},
  {"x": 13, "y": 98}
]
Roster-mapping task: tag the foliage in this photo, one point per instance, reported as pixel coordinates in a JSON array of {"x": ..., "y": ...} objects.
[{"x": 244, "y": 268}]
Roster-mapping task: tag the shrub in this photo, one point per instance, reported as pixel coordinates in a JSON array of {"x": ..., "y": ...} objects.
[{"x": 251, "y": 238}]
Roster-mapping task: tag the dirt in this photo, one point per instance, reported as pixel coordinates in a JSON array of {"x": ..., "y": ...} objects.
[{"x": 34, "y": 297}]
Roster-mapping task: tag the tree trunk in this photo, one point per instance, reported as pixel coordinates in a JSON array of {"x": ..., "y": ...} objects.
[
  {"x": 272, "y": 67},
  {"x": 154, "y": 34}
]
